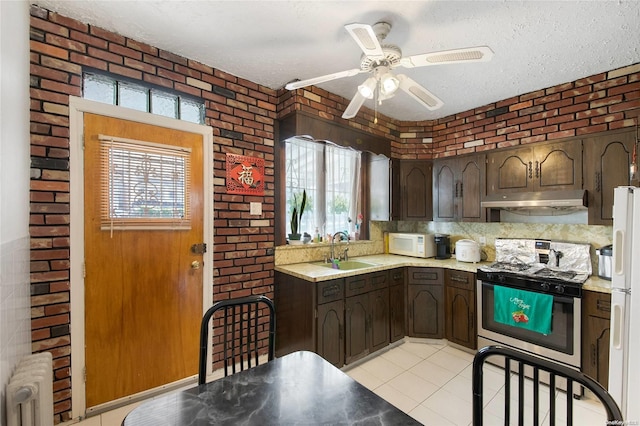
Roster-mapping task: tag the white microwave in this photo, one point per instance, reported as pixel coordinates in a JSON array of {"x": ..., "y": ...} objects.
[{"x": 416, "y": 245}]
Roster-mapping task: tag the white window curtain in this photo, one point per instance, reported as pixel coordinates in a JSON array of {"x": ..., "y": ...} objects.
[
  {"x": 304, "y": 172},
  {"x": 343, "y": 188},
  {"x": 330, "y": 175}
]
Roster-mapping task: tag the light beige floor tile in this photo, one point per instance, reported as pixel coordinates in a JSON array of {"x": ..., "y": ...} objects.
[
  {"x": 461, "y": 387},
  {"x": 492, "y": 376},
  {"x": 365, "y": 378},
  {"x": 449, "y": 361},
  {"x": 382, "y": 368},
  {"x": 413, "y": 386},
  {"x": 422, "y": 349},
  {"x": 400, "y": 357},
  {"x": 429, "y": 417},
  {"x": 396, "y": 398},
  {"x": 433, "y": 373},
  {"x": 459, "y": 353},
  {"x": 450, "y": 406}
]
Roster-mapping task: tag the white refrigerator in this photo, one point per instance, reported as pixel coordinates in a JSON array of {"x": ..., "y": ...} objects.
[{"x": 624, "y": 353}]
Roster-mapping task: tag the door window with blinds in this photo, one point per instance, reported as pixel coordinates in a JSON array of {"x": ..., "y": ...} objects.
[
  {"x": 145, "y": 185},
  {"x": 330, "y": 175}
]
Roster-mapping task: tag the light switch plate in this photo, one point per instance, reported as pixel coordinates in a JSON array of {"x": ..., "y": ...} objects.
[{"x": 255, "y": 208}]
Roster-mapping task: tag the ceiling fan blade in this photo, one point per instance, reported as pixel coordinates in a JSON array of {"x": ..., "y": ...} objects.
[
  {"x": 366, "y": 38},
  {"x": 419, "y": 93},
  {"x": 456, "y": 56},
  {"x": 354, "y": 105},
  {"x": 317, "y": 80}
]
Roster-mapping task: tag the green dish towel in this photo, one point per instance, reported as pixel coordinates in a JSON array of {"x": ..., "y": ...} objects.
[{"x": 524, "y": 309}]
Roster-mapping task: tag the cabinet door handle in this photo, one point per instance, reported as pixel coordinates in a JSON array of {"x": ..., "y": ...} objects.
[
  {"x": 593, "y": 355},
  {"x": 455, "y": 195},
  {"x": 459, "y": 279},
  {"x": 538, "y": 172},
  {"x": 598, "y": 183},
  {"x": 331, "y": 290},
  {"x": 603, "y": 305},
  {"x": 530, "y": 170},
  {"x": 460, "y": 189}
]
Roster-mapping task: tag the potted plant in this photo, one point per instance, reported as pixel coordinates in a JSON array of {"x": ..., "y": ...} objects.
[{"x": 296, "y": 216}]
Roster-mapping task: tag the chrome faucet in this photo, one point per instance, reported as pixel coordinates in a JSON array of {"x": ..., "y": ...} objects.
[{"x": 332, "y": 253}]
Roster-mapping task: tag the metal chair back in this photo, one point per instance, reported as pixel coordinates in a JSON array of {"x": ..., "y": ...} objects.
[
  {"x": 243, "y": 325},
  {"x": 534, "y": 366}
]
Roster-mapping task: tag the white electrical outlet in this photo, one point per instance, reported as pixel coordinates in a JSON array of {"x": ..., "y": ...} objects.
[
  {"x": 255, "y": 208},
  {"x": 483, "y": 240}
]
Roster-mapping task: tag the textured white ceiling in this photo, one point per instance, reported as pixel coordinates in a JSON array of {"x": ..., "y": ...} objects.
[{"x": 536, "y": 44}]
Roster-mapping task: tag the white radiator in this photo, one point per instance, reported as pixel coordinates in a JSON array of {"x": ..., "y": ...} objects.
[{"x": 30, "y": 392}]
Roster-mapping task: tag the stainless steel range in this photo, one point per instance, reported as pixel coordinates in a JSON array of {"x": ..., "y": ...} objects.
[{"x": 529, "y": 299}]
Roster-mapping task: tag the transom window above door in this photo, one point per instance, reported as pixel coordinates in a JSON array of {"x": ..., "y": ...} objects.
[{"x": 110, "y": 90}]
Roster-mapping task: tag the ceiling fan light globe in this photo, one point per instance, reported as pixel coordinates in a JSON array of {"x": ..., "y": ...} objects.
[
  {"x": 389, "y": 84},
  {"x": 367, "y": 89}
]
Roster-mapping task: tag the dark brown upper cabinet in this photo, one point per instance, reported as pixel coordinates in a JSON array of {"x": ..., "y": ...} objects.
[
  {"x": 607, "y": 158},
  {"x": 541, "y": 167},
  {"x": 415, "y": 190},
  {"x": 458, "y": 187}
]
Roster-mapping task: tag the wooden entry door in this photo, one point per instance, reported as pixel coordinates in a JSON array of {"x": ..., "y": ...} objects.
[{"x": 143, "y": 287}]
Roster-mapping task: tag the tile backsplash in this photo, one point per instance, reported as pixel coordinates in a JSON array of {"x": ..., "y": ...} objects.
[{"x": 596, "y": 236}]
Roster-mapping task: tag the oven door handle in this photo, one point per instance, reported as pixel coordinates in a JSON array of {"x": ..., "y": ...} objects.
[{"x": 556, "y": 298}]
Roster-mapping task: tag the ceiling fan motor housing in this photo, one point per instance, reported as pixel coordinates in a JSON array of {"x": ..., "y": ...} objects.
[{"x": 392, "y": 56}]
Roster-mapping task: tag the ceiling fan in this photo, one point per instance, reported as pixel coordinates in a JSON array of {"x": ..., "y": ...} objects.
[{"x": 379, "y": 59}]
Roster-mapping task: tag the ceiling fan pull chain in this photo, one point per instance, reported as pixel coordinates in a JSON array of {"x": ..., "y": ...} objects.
[{"x": 375, "y": 102}]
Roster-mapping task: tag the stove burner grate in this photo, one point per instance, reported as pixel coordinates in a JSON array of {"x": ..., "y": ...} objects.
[
  {"x": 510, "y": 267},
  {"x": 550, "y": 273}
]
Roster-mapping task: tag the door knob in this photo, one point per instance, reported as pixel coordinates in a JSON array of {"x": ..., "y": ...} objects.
[{"x": 195, "y": 265}]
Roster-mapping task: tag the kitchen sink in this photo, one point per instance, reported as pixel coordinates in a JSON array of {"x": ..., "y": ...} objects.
[{"x": 348, "y": 265}]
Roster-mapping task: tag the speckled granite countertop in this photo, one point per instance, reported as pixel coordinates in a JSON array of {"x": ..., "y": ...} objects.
[{"x": 381, "y": 262}]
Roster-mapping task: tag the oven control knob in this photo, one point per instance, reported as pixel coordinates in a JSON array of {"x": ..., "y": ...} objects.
[
  {"x": 501, "y": 278},
  {"x": 560, "y": 288},
  {"x": 545, "y": 286}
]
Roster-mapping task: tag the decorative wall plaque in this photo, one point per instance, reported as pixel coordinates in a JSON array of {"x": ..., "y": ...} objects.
[{"x": 245, "y": 175}]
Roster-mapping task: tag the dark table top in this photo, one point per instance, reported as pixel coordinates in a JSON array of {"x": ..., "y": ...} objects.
[{"x": 300, "y": 388}]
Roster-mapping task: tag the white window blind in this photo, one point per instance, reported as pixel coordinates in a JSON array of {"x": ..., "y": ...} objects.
[{"x": 145, "y": 185}]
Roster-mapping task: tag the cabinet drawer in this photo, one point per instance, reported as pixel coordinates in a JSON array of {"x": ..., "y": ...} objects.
[
  {"x": 357, "y": 284},
  {"x": 596, "y": 304},
  {"x": 378, "y": 280},
  {"x": 328, "y": 291},
  {"x": 461, "y": 279},
  {"x": 426, "y": 276}
]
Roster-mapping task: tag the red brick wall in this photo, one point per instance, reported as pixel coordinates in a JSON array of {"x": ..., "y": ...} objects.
[
  {"x": 242, "y": 115},
  {"x": 598, "y": 103}
]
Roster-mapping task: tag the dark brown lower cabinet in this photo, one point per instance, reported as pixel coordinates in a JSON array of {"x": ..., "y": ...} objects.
[
  {"x": 356, "y": 328},
  {"x": 379, "y": 318},
  {"x": 330, "y": 326},
  {"x": 310, "y": 317},
  {"x": 425, "y": 302},
  {"x": 460, "y": 299},
  {"x": 596, "y": 316},
  {"x": 366, "y": 314},
  {"x": 397, "y": 311}
]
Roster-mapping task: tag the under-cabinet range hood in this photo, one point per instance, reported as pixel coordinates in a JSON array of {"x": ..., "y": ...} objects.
[{"x": 542, "y": 203}]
